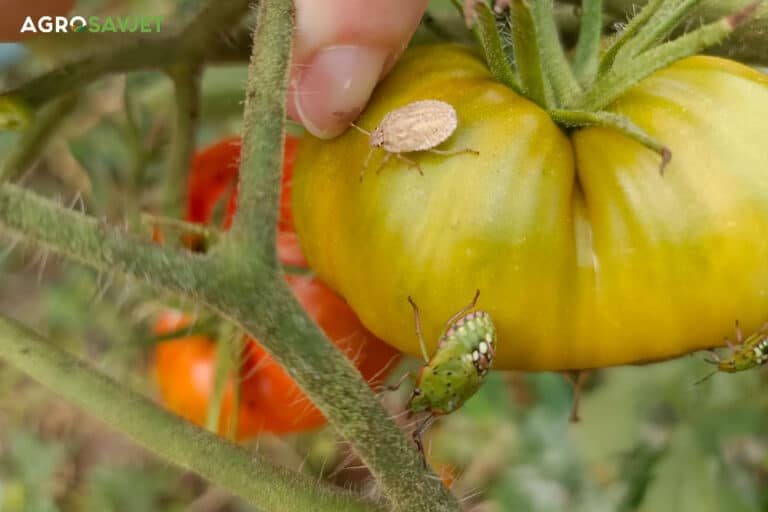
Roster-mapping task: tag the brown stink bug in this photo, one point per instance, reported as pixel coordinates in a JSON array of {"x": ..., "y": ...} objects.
[{"x": 418, "y": 126}]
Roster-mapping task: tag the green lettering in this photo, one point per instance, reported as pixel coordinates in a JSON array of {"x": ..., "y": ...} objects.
[
  {"x": 109, "y": 25},
  {"x": 93, "y": 24}
]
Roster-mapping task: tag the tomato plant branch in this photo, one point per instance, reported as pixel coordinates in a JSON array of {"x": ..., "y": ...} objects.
[
  {"x": 241, "y": 472},
  {"x": 186, "y": 81},
  {"x": 268, "y": 311},
  {"x": 251, "y": 291},
  {"x": 198, "y": 37},
  {"x": 95, "y": 243},
  {"x": 261, "y": 157},
  {"x": 33, "y": 141}
]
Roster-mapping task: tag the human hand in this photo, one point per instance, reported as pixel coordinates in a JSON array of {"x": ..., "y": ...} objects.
[{"x": 342, "y": 49}]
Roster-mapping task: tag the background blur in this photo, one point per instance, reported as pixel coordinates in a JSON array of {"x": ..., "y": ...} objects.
[{"x": 649, "y": 439}]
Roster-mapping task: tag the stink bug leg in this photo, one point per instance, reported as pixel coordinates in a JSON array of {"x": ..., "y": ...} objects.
[
  {"x": 396, "y": 385},
  {"x": 419, "y": 432},
  {"x": 577, "y": 381},
  {"x": 418, "y": 329},
  {"x": 453, "y": 152}
]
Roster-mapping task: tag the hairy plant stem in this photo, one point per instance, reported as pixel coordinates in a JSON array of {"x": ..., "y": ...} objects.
[
  {"x": 525, "y": 44},
  {"x": 557, "y": 68},
  {"x": 626, "y": 74},
  {"x": 487, "y": 33},
  {"x": 241, "y": 472},
  {"x": 659, "y": 26},
  {"x": 618, "y": 122},
  {"x": 199, "y": 37},
  {"x": 253, "y": 293},
  {"x": 242, "y": 280},
  {"x": 186, "y": 82},
  {"x": 637, "y": 22},
  {"x": 749, "y": 43},
  {"x": 587, "y": 54},
  {"x": 33, "y": 141}
]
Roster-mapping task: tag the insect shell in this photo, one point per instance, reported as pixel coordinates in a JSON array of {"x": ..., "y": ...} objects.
[
  {"x": 459, "y": 366},
  {"x": 418, "y": 126}
]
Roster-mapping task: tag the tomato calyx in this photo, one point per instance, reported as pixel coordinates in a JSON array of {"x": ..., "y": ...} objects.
[{"x": 576, "y": 93}]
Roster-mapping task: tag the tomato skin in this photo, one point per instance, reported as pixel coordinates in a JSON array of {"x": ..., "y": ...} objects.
[
  {"x": 585, "y": 256},
  {"x": 214, "y": 172}
]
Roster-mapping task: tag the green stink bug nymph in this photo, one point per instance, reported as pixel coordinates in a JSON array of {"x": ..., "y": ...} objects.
[
  {"x": 746, "y": 353},
  {"x": 458, "y": 367}
]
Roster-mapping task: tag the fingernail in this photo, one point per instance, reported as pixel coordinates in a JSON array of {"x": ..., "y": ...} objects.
[{"x": 335, "y": 86}]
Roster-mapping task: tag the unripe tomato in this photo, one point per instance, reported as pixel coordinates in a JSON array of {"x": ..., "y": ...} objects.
[{"x": 584, "y": 254}]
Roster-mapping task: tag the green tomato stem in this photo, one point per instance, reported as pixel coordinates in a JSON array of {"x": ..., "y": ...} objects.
[
  {"x": 186, "y": 78},
  {"x": 254, "y": 226},
  {"x": 618, "y": 122},
  {"x": 229, "y": 340},
  {"x": 660, "y": 26},
  {"x": 558, "y": 70},
  {"x": 241, "y": 472},
  {"x": 621, "y": 78},
  {"x": 587, "y": 54},
  {"x": 525, "y": 45},
  {"x": 487, "y": 32},
  {"x": 625, "y": 36}
]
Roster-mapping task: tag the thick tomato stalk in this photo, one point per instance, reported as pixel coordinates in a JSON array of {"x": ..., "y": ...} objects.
[
  {"x": 269, "y": 401},
  {"x": 584, "y": 254}
]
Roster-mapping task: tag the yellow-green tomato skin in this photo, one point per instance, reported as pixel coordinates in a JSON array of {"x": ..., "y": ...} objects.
[{"x": 585, "y": 256}]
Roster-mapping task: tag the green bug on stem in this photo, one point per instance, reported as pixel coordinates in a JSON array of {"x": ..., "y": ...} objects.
[
  {"x": 746, "y": 353},
  {"x": 457, "y": 369}
]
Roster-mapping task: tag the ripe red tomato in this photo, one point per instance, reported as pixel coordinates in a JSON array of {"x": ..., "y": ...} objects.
[{"x": 214, "y": 172}]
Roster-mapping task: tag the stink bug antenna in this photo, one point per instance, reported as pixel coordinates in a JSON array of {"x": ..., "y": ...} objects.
[
  {"x": 418, "y": 329},
  {"x": 361, "y": 130},
  {"x": 705, "y": 378}
]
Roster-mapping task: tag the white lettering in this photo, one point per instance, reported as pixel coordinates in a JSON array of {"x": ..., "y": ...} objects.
[
  {"x": 29, "y": 25},
  {"x": 62, "y": 24},
  {"x": 45, "y": 24}
]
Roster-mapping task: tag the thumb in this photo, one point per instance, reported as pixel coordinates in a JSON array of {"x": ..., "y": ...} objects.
[{"x": 342, "y": 49}]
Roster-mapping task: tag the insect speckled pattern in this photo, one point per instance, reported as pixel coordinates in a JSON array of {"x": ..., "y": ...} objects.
[
  {"x": 418, "y": 126},
  {"x": 747, "y": 353},
  {"x": 458, "y": 368}
]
